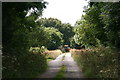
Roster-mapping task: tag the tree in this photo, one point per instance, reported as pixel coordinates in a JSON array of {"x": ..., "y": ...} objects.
[
  {"x": 110, "y": 18},
  {"x": 53, "y": 38},
  {"x": 67, "y": 31},
  {"x": 14, "y": 19},
  {"x": 65, "y": 28},
  {"x": 85, "y": 34},
  {"x": 99, "y": 24},
  {"x": 16, "y": 40}
]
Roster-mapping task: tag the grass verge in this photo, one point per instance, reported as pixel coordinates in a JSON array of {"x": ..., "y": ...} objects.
[
  {"x": 52, "y": 54},
  {"x": 60, "y": 74},
  {"x": 97, "y": 62},
  {"x": 63, "y": 57},
  {"x": 49, "y": 59},
  {"x": 25, "y": 66}
]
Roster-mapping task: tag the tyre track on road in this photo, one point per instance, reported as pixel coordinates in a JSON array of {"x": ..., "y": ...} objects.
[{"x": 72, "y": 71}]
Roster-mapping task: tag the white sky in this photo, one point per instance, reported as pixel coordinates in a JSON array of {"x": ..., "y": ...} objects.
[{"x": 68, "y": 11}]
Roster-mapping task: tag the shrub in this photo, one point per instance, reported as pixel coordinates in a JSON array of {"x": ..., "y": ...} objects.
[
  {"x": 36, "y": 50},
  {"x": 23, "y": 66}
]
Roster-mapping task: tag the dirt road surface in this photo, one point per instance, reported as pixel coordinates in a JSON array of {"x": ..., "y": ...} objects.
[{"x": 72, "y": 71}]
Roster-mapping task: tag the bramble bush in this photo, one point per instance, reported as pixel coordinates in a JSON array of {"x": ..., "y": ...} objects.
[{"x": 23, "y": 66}]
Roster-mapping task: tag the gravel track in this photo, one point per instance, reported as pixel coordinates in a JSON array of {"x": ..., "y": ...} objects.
[{"x": 72, "y": 71}]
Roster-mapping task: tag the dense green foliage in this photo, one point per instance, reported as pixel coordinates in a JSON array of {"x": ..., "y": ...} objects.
[
  {"x": 99, "y": 28},
  {"x": 17, "y": 61},
  {"x": 24, "y": 66},
  {"x": 100, "y": 25},
  {"x": 24, "y": 35},
  {"x": 97, "y": 62},
  {"x": 65, "y": 28},
  {"x": 49, "y": 37},
  {"x": 54, "y": 38},
  {"x": 36, "y": 50}
]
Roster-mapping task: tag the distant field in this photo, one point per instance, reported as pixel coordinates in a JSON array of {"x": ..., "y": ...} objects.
[
  {"x": 52, "y": 54},
  {"x": 49, "y": 54},
  {"x": 79, "y": 50}
]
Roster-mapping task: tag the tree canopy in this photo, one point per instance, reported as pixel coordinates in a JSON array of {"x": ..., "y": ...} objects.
[
  {"x": 100, "y": 25},
  {"x": 16, "y": 40},
  {"x": 65, "y": 28}
]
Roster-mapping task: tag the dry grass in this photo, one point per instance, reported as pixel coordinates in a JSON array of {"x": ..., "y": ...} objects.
[
  {"x": 79, "y": 50},
  {"x": 52, "y": 53}
]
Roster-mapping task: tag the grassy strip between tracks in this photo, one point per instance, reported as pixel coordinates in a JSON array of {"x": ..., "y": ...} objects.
[
  {"x": 63, "y": 57},
  {"x": 60, "y": 74}
]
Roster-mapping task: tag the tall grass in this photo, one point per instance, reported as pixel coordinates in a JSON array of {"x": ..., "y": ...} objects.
[
  {"x": 52, "y": 54},
  {"x": 97, "y": 62},
  {"x": 24, "y": 66}
]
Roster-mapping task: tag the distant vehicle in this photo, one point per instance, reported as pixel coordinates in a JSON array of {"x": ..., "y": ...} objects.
[{"x": 67, "y": 48}]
